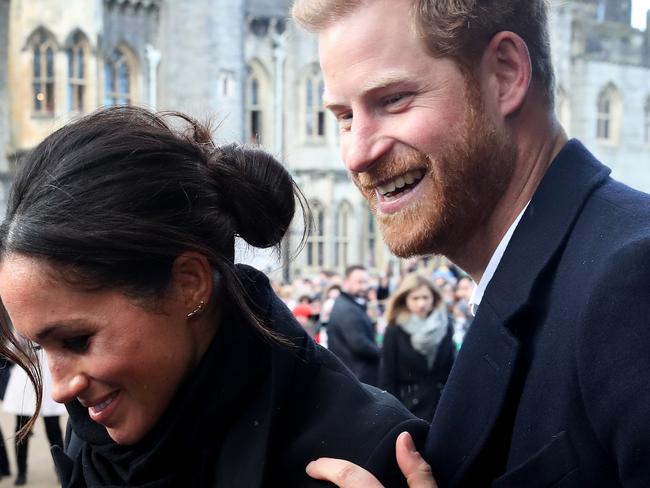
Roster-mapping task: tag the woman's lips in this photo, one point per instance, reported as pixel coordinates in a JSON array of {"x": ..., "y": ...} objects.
[{"x": 101, "y": 412}]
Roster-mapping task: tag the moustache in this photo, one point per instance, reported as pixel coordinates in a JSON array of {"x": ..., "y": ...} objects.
[{"x": 390, "y": 167}]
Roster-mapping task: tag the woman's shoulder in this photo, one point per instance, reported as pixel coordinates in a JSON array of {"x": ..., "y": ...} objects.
[{"x": 335, "y": 415}]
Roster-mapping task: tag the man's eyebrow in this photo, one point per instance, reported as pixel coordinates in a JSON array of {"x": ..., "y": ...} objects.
[{"x": 384, "y": 81}]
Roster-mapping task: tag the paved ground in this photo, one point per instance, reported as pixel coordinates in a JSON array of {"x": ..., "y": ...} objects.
[{"x": 40, "y": 470}]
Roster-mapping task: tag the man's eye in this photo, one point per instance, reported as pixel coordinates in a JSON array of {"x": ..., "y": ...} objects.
[
  {"x": 396, "y": 98},
  {"x": 77, "y": 344},
  {"x": 344, "y": 120}
]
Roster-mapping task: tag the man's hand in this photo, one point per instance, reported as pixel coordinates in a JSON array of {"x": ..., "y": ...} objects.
[{"x": 344, "y": 474}]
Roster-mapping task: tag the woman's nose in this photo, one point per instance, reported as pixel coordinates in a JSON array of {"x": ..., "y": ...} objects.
[{"x": 67, "y": 385}]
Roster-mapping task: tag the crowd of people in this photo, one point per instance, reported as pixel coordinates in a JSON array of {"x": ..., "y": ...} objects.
[
  {"x": 400, "y": 331},
  {"x": 311, "y": 298}
]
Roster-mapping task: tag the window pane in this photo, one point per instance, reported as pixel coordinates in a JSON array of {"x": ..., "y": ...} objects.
[
  {"x": 37, "y": 62},
  {"x": 80, "y": 63},
  {"x": 49, "y": 96},
  {"x": 80, "y": 98},
  {"x": 50, "y": 62},
  {"x": 109, "y": 77},
  {"x": 255, "y": 127},
  {"x": 321, "y": 90},
  {"x": 321, "y": 123},
  {"x": 70, "y": 97},
  {"x": 310, "y": 94},
  {"x": 39, "y": 96},
  {"x": 70, "y": 55},
  {"x": 124, "y": 80},
  {"x": 254, "y": 91}
]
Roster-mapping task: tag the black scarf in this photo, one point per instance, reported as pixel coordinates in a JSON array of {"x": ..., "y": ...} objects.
[{"x": 184, "y": 448}]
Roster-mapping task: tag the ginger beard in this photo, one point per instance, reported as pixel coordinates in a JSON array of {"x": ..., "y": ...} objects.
[{"x": 466, "y": 181}]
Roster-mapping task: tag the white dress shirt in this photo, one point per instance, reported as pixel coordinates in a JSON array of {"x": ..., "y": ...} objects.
[{"x": 477, "y": 294}]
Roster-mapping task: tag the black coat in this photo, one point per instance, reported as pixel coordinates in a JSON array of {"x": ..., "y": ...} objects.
[
  {"x": 351, "y": 336},
  {"x": 253, "y": 414},
  {"x": 406, "y": 374},
  {"x": 552, "y": 384}
]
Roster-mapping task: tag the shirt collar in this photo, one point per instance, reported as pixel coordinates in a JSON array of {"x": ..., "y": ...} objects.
[{"x": 479, "y": 290}]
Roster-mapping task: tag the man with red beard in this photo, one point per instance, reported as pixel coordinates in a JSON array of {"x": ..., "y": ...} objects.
[{"x": 446, "y": 113}]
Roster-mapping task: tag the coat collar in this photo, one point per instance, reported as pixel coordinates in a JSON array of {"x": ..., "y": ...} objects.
[{"x": 487, "y": 364}]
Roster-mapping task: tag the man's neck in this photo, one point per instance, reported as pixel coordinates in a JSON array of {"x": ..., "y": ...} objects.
[{"x": 534, "y": 156}]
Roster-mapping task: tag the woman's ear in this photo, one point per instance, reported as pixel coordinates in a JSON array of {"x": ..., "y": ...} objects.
[
  {"x": 507, "y": 68},
  {"x": 193, "y": 281}
]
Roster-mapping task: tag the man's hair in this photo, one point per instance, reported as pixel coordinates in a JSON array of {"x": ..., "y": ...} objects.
[
  {"x": 458, "y": 29},
  {"x": 351, "y": 269}
]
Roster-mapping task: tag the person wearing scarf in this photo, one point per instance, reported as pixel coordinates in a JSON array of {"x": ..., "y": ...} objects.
[
  {"x": 417, "y": 353},
  {"x": 178, "y": 367}
]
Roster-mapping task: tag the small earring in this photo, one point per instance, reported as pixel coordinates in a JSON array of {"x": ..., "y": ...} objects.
[{"x": 197, "y": 310}]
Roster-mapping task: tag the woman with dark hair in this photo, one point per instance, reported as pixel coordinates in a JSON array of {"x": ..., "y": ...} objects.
[
  {"x": 418, "y": 351},
  {"x": 177, "y": 367}
]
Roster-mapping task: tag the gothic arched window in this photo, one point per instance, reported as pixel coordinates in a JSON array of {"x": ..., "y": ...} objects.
[
  {"x": 316, "y": 240},
  {"x": 313, "y": 88},
  {"x": 76, "y": 54},
  {"x": 43, "y": 73},
  {"x": 118, "y": 75},
  {"x": 342, "y": 241},
  {"x": 608, "y": 118}
]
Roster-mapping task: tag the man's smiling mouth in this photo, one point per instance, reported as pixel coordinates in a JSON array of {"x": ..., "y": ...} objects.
[{"x": 406, "y": 182}]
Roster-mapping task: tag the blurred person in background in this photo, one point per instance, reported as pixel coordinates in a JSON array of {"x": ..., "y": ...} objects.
[
  {"x": 330, "y": 297},
  {"x": 20, "y": 400},
  {"x": 418, "y": 352},
  {"x": 350, "y": 331},
  {"x": 462, "y": 312}
]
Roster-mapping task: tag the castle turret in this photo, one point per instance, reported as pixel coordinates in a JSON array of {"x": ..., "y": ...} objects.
[{"x": 619, "y": 11}]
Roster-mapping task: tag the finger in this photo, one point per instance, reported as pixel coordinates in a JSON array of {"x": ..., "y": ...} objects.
[
  {"x": 416, "y": 470},
  {"x": 342, "y": 473}
]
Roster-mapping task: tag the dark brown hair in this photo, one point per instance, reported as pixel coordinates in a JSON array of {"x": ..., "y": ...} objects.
[{"x": 110, "y": 201}]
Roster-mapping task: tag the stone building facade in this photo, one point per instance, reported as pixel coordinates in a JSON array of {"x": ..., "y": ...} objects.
[
  {"x": 602, "y": 66},
  {"x": 244, "y": 65}
]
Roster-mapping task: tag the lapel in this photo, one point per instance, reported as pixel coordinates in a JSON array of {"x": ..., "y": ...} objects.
[{"x": 478, "y": 385}]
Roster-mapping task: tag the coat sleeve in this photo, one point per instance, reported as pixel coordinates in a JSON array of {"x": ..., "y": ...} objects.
[
  {"x": 389, "y": 361},
  {"x": 614, "y": 361}
]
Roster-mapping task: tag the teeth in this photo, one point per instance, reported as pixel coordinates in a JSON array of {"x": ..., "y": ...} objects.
[
  {"x": 399, "y": 182},
  {"x": 101, "y": 406},
  {"x": 390, "y": 187}
]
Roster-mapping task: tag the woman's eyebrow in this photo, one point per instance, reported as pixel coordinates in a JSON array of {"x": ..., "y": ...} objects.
[{"x": 57, "y": 328}]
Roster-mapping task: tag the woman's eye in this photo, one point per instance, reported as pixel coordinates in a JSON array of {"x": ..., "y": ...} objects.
[{"x": 77, "y": 344}]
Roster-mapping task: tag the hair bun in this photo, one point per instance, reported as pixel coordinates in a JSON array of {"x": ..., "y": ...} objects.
[{"x": 258, "y": 190}]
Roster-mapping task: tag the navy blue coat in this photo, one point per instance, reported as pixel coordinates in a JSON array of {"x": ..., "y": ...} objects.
[
  {"x": 351, "y": 336},
  {"x": 552, "y": 384}
]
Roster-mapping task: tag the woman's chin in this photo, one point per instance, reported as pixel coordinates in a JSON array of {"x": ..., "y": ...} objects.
[{"x": 122, "y": 437}]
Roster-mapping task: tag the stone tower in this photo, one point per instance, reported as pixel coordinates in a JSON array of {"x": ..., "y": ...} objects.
[
  {"x": 619, "y": 11},
  {"x": 202, "y": 66}
]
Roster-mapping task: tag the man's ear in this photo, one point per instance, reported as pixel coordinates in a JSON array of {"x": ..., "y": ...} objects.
[
  {"x": 507, "y": 69},
  {"x": 193, "y": 280}
]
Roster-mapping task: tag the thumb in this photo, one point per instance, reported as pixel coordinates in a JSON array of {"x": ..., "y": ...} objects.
[{"x": 416, "y": 470}]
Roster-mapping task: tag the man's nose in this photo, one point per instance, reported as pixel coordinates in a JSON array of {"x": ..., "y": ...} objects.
[
  {"x": 365, "y": 145},
  {"x": 67, "y": 385}
]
